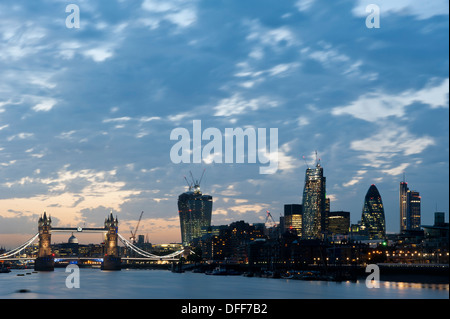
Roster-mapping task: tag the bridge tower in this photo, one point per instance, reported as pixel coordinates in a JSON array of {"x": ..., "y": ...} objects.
[
  {"x": 44, "y": 260},
  {"x": 111, "y": 260}
]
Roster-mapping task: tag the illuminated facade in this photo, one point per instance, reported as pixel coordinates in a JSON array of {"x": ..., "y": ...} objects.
[
  {"x": 45, "y": 259},
  {"x": 293, "y": 218},
  {"x": 195, "y": 210},
  {"x": 403, "y": 206},
  {"x": 111, "y": 260},
  {"x": 111, "y": 225},
  {"x": 45, "y": 227},
  {"x": 338, "y": 223},
  {"x": 373, "y": 214},
  {"x": 410, "y": 202},
  {"x": 314, "y": 204}
]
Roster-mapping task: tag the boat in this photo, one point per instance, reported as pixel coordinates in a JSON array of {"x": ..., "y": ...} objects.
[
  {"x": 287, "y": 275},
  {"x": 4, "y": 270},
  {"x": 222, "y": 272}
]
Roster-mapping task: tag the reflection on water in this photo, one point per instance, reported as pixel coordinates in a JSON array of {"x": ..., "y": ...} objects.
[
  {"x": 409, "y": 285},
  {"x": 159, "y": 284}
]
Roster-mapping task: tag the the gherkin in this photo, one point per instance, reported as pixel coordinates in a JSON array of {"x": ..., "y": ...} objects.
[{"x": 373, "y": 214}]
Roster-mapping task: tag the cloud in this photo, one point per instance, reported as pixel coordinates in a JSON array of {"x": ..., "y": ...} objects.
[
  {"x": 373, "y": 107},
  {"x": 304, "y": 5},
  {"x": 105, "y": 97},
  {"x": 99, "y": 54},
  {"x": 20, "y": 136},
  {"x": 275, "y": 39},
  {"x": 256, "y": 77},
  {"x": 287, "y": 163},
  {"x": 396, "y": 170},
  {"x": 356, "y": 179},
  {"x": 178, "y": 12},
  {"x": 45, "y": 106},
  {"x": 390, "y": 141},
  {"x": 237, "y": 105},
  {"x": 19, "y": 40},
  {"x": 328, "y": 56},
  {"x": 420, "y": 9}
]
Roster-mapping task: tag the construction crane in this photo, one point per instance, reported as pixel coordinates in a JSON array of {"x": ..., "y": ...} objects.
[
  {"x": 133, "y": 235},
  {"x": 307, "y": 166},
  {"x": 195, "y": 183},
  {"x": 269, "y": 216}
]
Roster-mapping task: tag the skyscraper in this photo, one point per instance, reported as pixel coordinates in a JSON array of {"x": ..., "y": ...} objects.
[
  {"x": 403, "y": 206},
  {"x": 314, "y": 205},
  {"x": 414, "y": 201},
  {"x": 410, "y": 202},
  {"x": 195, "y": 210},
  {"x": 373, "y": 214}
]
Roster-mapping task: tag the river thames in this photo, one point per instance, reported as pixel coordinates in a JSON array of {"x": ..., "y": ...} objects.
[{"x": 162, "y": 284}]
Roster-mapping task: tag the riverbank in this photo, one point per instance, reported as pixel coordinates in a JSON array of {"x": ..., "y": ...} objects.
[{"x": 429, "y": 274}]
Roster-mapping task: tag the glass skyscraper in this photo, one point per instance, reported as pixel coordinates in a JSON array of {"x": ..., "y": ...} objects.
[
  {"x": 195, "y": 210},
  {"x": 403, "y": 206},
  {"x": 314, "y": 203},
  {"x": 410, "y": 202},
  {"x": 414, "y": 200},
  {"x": 373, "y": 214}
]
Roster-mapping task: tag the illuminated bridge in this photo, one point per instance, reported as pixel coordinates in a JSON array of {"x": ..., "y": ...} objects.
[{"x": 111, "y": 261}]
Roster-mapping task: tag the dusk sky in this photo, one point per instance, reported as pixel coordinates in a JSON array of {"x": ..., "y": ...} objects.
[{"x": 86, "y": 113}]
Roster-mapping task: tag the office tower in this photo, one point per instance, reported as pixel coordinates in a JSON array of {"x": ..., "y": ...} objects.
[
  {"x": 314, "y": 206},
  {"x": 373, "y": 214},
  {"x": 338, "y": 223},
  {"x": 439, "y": 219},
  {"x": 195, "y": 210},
  {"x": 293, "y": 218},
  {"x": 414, "y": 201},
  {"x": 410, "y": 202},
  {"x": 403, "y": 206}
]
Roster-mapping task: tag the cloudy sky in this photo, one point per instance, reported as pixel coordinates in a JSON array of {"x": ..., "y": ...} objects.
[{"x": 86, "y": 113}]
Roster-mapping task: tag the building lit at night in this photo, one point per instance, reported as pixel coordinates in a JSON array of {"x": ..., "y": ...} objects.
[
  {"x": 195, "y": 210},
  {"x": 373, "y": 214}
]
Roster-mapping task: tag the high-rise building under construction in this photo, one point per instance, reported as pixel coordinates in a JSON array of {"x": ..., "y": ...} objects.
[
  {"x": 195, "y": 210},
  {"x": 314, "y": 203}
]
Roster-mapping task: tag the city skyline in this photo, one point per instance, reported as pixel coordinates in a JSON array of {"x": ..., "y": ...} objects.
[{"x": 86, "y": 113}]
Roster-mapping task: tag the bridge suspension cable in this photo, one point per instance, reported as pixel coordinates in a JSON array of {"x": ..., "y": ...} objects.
[
  {"x": 17, "y": 250},
  {"x": 147, "y": 254}
]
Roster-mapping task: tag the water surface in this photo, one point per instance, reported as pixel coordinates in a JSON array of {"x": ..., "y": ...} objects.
[{"x": 162, "y": 284}]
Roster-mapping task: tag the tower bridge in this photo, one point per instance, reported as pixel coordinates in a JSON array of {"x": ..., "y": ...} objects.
[{"x": 45, "y": 260}]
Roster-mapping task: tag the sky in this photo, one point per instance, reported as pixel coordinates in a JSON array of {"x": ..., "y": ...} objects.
[{"x": 86, "y": 113}]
